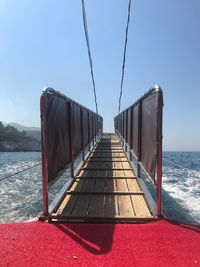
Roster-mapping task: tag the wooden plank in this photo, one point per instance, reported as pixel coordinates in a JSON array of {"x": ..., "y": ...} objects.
[
  {"x": 66, "y": 199},
  {"x": 82, "y": 173},
  {"x": 111, "y": 206},
  {"x": 106, "y": 188},
  {"x": 110, "y": 151},
  {"x": 69, "y": 201},
  {"x": 107, "y": 177},
  {"x": 107, "y": 151},
  {"x": 96, "y": 205},
  {"x": 140, "y": 206},
  {"x": 110, "y": 185},
  {"x": 81, "y": 207},
  {"x": 106, "y": 165},
  {"x": 96, "y": 168},
  {"x": 99, "y": 185},
  {"x": 108, "y": 154},
  {"x": 132, "y": 185},
  {"x": 107, "y": 158},
  {"x": 98, "y": 165},
  {"x": 104, "y": 160},
  {"x": 91, "y": 173},
  {"x": 112, "y": 147},
  {"x": 121, "y": 184},
  {"x": 124, "y": 202},
  {"x": 125, "y": 206},
  {"x": 125, "y": 165},
  {"x": 91, "y": 192}
]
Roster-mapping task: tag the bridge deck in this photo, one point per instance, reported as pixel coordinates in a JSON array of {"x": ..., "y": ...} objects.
[{"x": 106, "y": 189}]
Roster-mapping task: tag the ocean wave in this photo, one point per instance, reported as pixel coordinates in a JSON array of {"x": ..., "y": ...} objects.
[
  {"x": 183, "y": 185},
  {"x": 21, "y": 195}
]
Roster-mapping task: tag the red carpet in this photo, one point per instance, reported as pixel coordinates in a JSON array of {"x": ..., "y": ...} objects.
[{"x": 152, "y": 244}]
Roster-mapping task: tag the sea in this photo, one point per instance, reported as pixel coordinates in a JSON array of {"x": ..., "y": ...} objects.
[{"x": 21, "y": 193}]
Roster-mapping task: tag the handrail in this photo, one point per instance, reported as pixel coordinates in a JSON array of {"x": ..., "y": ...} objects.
[
  {"x": 140, "y": 126},
  {"x": 66, "y": 128}
]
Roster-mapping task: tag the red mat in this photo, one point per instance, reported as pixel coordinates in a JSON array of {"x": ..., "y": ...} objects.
[{"x": 152, "y": 244}]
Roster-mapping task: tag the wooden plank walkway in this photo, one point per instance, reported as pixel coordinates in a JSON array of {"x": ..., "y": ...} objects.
[{"x": 106, "y": 189}]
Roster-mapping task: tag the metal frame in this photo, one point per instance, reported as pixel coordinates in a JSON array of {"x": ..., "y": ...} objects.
[
  {"x": 55, "y": 203},
  {"x": 116, "y": 219},
  {"x": 44, "y": 161},
  {"x": 150, "y": 201},
  {"x": 71, "y": 142},
  {"x": 129, "y": 152},
  {"x": 92, "y": 140},
  {"x": 159, "y": 173}
]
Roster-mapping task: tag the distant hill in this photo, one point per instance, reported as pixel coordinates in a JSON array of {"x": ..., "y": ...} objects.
[
  {"x": 35, "y": 132},
  {"x": 21, "y": 128},
  {"x": 13, "y": 140}
]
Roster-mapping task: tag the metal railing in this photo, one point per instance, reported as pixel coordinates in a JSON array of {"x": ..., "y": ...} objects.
[
  {"x": 140, "y": 128},
  {"x": 67, "y": 128}
]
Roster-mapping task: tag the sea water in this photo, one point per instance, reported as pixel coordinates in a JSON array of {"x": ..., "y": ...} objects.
[{"x": 21, "y": 194}]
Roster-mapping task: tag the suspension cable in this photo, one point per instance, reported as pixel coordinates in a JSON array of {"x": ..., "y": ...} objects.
[
  {"x": 89, "y": 52},
  {"x": 8, "y": 176},
  {"x": 124, "y": 55}
]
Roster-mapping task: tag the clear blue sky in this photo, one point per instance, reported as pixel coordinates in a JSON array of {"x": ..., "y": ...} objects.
[{"x": 42, "y": 44}]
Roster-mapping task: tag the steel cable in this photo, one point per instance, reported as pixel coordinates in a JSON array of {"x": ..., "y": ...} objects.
[
  {"x": 89, "y": 52},
  {"x": 124, "y": 55},
  {"x": 13, "y": 174}
]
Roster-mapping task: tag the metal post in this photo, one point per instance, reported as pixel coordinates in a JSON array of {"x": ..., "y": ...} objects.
[
  {"x": 93, "y": 135},
  {"x": 121, "y": 124},
  {"x": 159, "y": 159},
  {"x": 71, "y": 136},
  {"x": 82, "y": 136},
  {"x": 123, "y": 135},
  {"x": 45, "y": 184},
  {"x": 95, "y": 129},
  {"x": 159, "y": 182},
  {"x": 139, "y": 137},
  {"x": 44, "y": 159},
  {"x": 126, "y": 137},
  {"x": 131, "y": 134},
  {"x": 89, "y": 131}
]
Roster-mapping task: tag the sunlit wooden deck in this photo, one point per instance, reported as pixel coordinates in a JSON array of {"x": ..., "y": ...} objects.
[{"x": 106, "y": 189}]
